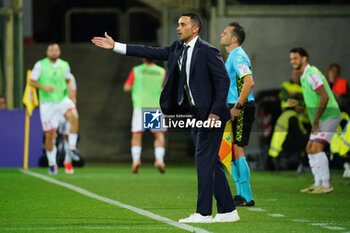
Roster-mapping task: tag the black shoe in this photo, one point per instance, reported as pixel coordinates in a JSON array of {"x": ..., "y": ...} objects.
[
  {"x": 251, "y": 203},
  {"x": 238, "y": 200},
  {"x": 241, "y": 201}
]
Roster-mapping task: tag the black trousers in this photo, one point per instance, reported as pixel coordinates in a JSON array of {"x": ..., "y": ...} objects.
[
  {"x": 210, "y": 172},
  {"x": 242, "y": 126}
]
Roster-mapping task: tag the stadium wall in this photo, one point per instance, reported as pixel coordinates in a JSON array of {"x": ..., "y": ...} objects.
[
  {"x": 105, "y": 110},
  {"x": 271, "y": 33},
  {"x": 269, "y": 39}
]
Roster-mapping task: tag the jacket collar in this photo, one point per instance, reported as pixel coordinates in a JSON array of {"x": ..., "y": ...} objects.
[
  {"x": 194, "y": 53},
  {"x": 192, "y": 43}
]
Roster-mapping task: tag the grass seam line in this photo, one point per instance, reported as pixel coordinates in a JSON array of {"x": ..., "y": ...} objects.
[{"x": 116, "y": 203}]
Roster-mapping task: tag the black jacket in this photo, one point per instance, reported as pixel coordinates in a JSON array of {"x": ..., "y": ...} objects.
[{"x": 209, "y": 81}]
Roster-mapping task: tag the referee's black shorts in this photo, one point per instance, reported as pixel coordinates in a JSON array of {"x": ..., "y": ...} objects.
[{"x": 242, "y": 125}]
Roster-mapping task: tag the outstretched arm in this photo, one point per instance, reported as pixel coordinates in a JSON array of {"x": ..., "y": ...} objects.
[{"x": 107, "y": 42}]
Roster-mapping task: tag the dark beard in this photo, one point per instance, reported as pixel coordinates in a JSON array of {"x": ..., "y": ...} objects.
[
  {"x": 53, "y": 59},
  {"x": 299, "y": 66}
]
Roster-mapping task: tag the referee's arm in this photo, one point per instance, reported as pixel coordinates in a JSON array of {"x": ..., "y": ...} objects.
[{"x": 248, "y": 84}]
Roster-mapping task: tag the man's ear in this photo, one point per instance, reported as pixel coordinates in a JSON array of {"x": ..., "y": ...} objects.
[
  {"x": 195, "y": 29},
  {"x": 234, "y": 39},
  {"x": 304, "y": 59}
]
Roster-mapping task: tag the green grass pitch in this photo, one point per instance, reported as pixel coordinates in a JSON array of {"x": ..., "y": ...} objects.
[{"x": 29, "y": 204}]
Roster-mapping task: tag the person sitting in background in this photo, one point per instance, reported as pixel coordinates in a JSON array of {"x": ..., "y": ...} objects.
[
  {"x": 341, "y": 145},
  {"x": 290, "y": 88},
  {"x": 2, "y": 102},
  {"x": 289, "y": 136},
  {"x": 339, "y": 86}
]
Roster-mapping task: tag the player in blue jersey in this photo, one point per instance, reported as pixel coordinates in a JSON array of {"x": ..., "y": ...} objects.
[{"x": 242, "y": 105}]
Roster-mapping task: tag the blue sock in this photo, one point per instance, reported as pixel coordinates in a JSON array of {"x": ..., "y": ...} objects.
[
  {"x": 235, "y": 176},
  {"x": 244, "y": 176}
]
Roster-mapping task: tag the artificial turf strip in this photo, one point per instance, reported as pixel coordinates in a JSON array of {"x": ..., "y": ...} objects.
[{"x": 28, "y": 204}]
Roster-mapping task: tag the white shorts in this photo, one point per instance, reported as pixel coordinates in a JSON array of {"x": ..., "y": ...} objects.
[
  {"x": 52, "y": 114},
  {"x": 137, "y": 123},
  {"x": 325, "y": 131},
  {"x": 64, "y": 126}
]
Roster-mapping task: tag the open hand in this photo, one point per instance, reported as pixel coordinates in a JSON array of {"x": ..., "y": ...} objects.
[
  {"x": 214, "y": 118},
  {"x": 104, "y": 42},
  {"x": 235, "y": 113}
]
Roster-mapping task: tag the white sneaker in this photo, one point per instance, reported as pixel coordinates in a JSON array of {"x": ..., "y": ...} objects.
[
  {"x": 346, "y": 173},
  {"x": 197, "y": 218},
  {"x": 227, "y": 217},
  {"x": 320, "y": 190}
]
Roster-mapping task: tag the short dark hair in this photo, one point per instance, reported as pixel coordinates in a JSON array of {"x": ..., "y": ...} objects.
[
  {"x": 302, "y": 52},
  {"x": 335, "y": 65},
  {"x": 196, "y": 19},
  {"x": 238, "y": 31},
  {"x": 52, "y": 44},
  {"x": 149, "y": 59}
]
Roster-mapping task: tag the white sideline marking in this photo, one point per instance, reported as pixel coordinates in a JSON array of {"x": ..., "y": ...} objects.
[
  {"x": 334, "y": 228},
  {"x": 256, "y": 209},
  {"x": 272, "y": 199},
  {"x": 324, "y": 225},
  {"x": 300, "y": 220},
  {"x": 319, "y": 224},
  {"x": 84, "y": 228},
  {"x": 116, "y": 203},
  {"x": 277, "y": 215}
]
